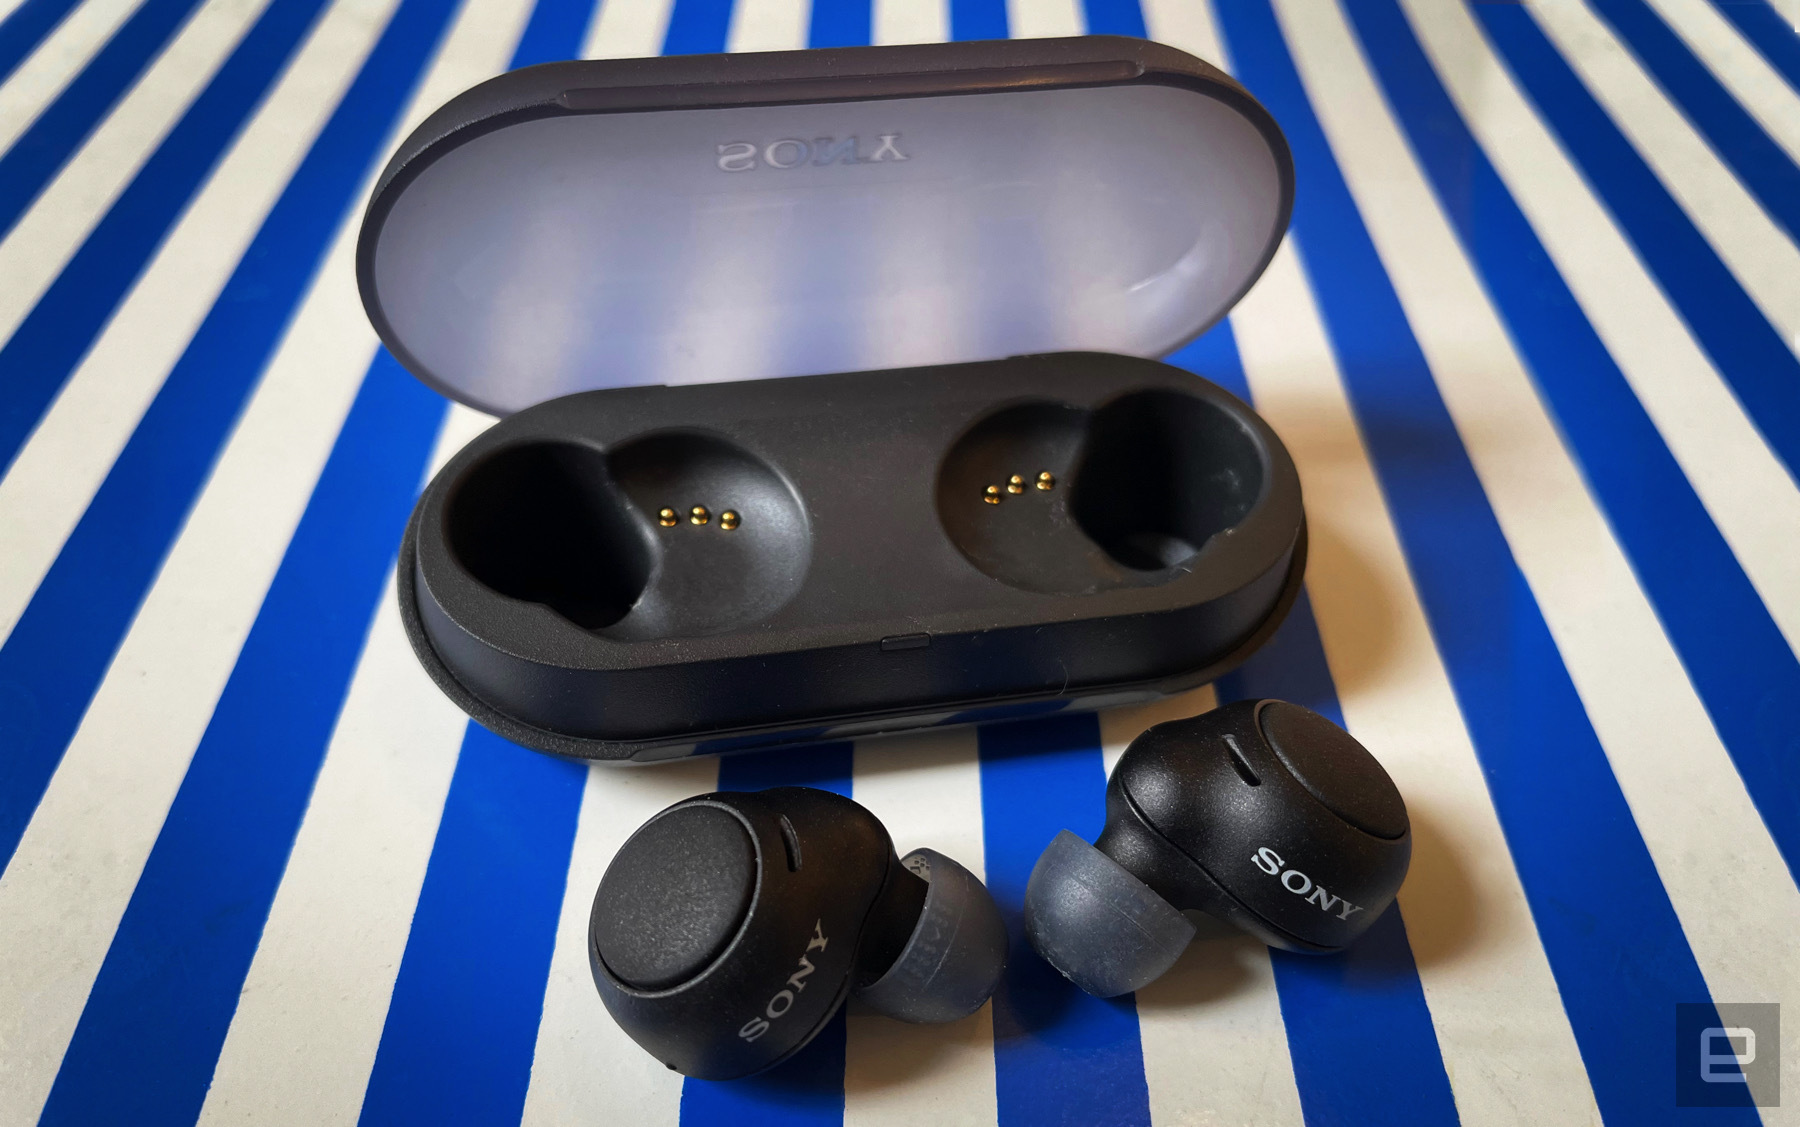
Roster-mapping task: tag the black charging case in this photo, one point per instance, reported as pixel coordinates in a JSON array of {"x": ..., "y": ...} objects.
[{"x": 688, "y": 535}]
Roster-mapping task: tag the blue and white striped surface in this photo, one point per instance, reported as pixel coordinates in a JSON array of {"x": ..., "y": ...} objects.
[{"x": 1534, "y": 342}]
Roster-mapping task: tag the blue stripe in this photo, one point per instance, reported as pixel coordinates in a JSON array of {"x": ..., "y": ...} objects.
[
  {"x": 825, "y": 766},
  {"x": 145, "y": 1046},
  {"x": 1358, "y": 1028},
  {"x": 1749, "y": 353},
  {"x": 462, "y": 1025},
  {"x": 1360, "y": 1035},
  {"x": 52, "y": 339},
  {"x": 1214, "y": 355},
  {"x": 1060, "y": 1056},
  {"x": 26, "y": 27},
  {"x": 808, "y": 1089},
  {"x": 1114, "y": 17},
  {"x": 978, "y": 19},
  {"x": 1737, "y": 658},
  {"x": 1759, "y": 162},
  {"x": 51, "y": 139},
  {"x": 1615, "y": 946},
  {"x": 556, "y": 30},
  {"x": 841, "y": 23},
  {"x": 1769, "y": 32},
  {"x": 697, "y": 27},
  {"x": 58, "y": 652}
]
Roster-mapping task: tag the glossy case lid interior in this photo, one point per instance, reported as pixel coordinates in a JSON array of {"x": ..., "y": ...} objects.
[{"x": 561, "y": 250}]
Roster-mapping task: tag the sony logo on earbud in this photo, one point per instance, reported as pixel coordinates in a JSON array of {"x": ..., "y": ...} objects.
[
  {"x": 783, "y": 1001},
  {"x": 791, "y": 152},
  {"x": 1300, "y": 884}
]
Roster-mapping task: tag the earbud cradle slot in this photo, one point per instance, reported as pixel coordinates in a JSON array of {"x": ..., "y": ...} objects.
[
  {"x": 1151, "y": 477},
  {"x": 545, "y": 587}
]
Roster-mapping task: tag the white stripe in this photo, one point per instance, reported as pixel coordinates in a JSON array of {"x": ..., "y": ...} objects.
[
  {"x": 35, "y": 251},
  {"x": 1042, "y": 19},
  {"x": 1119, "y": 726},
  {"x": 54, "y": 62},
  {"x": 1213, "y": 1039},
  {"x": 926, "y": 789},
  {"x": 1789, "y": 10},
  {"x": 1756, "y": 85},
  {"x": 1759, "y": 253},
  {"x": 310, "y": 1015},
  {"x": 586, "y": 1070},
  {"x": 911, "y": 21},
  {"x": 768, "y": 25},
  {"x": 309, "y": 1019},
  {"x": 1215, "y": 1048},
  {"x": 628, "y": 29},
  {"x": 8, "y": 7},
  {"x": 1507, "y": 1045},
  {"x": 89, "y": 422},
  {"x": 1746, "y": 490},
  {"x": 62, "y": 896},
  {"x": 1709, "y": 845}
]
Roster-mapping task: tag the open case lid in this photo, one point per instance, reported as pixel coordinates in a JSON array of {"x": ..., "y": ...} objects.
[{"x": 727, "y": 217}]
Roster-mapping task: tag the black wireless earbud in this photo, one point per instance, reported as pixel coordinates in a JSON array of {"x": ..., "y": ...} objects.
[
  {"x": 1262, "y": 813},
  {"x": 730, "y": 928}
]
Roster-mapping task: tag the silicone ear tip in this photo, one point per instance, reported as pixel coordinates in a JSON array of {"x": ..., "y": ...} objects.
[
  {"x": 952, "y": 962},
  {"x": 1103, "y": 928}
]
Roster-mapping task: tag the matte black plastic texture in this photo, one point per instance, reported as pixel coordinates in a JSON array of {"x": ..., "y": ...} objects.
[
  {"x": 655, "y": 572},
  {"x": 828, "y": 909},
  {"x": 675, "y": 896},
  {"x": 691, "y": 219},
  {"x": 1212, "y": 816}
]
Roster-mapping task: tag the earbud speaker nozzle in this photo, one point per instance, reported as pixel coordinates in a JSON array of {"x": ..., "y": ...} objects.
[
  {"x": 1103, "y": 928},
  {"x": 953, "y": 960}
]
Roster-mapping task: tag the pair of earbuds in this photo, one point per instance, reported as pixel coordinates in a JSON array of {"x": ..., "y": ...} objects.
[{"x": 731, "y": 927}]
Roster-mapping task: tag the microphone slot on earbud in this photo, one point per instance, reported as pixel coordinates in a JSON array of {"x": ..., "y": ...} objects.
[
  {"x": 1240, "y": 764},
  {"x": 791, "y": 843}
]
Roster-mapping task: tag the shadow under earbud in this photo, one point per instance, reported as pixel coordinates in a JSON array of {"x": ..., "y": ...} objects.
[
  {"x": 1364, "y": 608},
  {"x": 884, "y": 1053},
  {"x": 810, "y": 1080},
  {"x": 1438, "y": 900},
  {"x": 1216, "y": 965}
]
